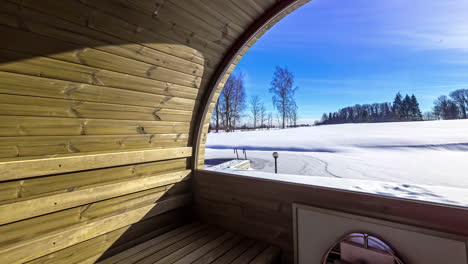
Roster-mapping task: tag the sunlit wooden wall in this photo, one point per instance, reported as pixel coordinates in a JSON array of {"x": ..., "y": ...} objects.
[{"x": 97, "y": 107}]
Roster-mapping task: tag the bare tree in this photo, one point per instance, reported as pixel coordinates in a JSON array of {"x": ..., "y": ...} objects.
[
  {"x": 278, "y": 120},
  {"x": 216, "y": 116},
  {"x": 460, "y": 97},
  {"x": 263, "y": 117},
  {"x": 255, "y": 109},
  {"x": 270, "y": 120},
  {"x": 293, "y": 114},
  {"x": 238, "y": 99},
  {"x": 429, "y": 115},
  {"x": 283, "y": 92},
  {"x": 231, "y": 102},
  {"x": 446, "y": 108},
  {"x": 225, "y": 101}
]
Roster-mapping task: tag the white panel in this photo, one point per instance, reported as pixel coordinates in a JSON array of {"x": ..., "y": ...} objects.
[{"x": 318, "y": 230}]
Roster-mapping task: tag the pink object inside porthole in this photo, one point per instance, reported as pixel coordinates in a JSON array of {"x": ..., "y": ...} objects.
[{"x": 361, "y": 248}]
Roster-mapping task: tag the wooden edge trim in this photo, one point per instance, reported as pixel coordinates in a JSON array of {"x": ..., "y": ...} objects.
[
  {"x": 438, "y": 217},
  {"x": 295, "y": 238},
  {"x": 20, "y": 169},
  {"x": 224, "y": 65}
]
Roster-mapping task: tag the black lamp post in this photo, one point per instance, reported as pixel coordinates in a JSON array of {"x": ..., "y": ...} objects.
[{"x": 275, "y": 155}]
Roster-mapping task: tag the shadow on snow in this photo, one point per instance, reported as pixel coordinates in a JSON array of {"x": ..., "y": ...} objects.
[
  {"x": 449, "y": 146},
  {"x": 294, "y": 149}
]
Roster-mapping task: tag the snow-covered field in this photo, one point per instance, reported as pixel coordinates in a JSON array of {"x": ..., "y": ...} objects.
[{"x": 421, "y": 153}]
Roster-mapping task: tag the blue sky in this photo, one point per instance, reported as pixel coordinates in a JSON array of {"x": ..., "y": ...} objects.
[{"x": 363, "y": 51}]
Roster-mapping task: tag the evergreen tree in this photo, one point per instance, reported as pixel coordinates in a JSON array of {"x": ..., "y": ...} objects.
[
  {"x": 406, "y": 108},
  {"x": 415, "y": 111},
  {"x": 387, "y": 112},
  {"x": 324, "y": 118},
  {"x": 403, "y": 109},
  {"x": 397, "y": 105}
]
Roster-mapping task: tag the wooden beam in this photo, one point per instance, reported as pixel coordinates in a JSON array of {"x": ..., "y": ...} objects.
[
  {"x": 20, "y": 190},
  {"x": 12, "y": 126},
  {"x": 21, "y": 105},
  {"x": 66, "y": 78},
  {"x": 25, "y": 168},
  {"x": 13, "y": 147}
]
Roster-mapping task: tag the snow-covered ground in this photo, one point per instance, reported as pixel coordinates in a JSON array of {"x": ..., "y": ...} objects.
[{"x": 422, "y": 153}]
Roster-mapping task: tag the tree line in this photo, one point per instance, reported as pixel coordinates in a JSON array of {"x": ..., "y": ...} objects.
[
  {"x": 453, "y": 106},
  {"x": 402, "y": 109},
  {"x": 232, "y": 103}
]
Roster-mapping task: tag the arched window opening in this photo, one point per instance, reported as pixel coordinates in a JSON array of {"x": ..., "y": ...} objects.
[{"x": 362, "y": 96}]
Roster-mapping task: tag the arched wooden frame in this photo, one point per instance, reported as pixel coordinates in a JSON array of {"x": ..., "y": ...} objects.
[{"x": 258, "y": 28}]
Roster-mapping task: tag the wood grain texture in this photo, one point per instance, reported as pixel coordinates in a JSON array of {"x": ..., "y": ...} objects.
[
  {"x": 45, "y": 145},
  {"x": 56, "y": 27},
  {"x": 59, "y": 220},
  {"x": 41, "y": 245},
  {"x": 47, "y": 107},
  {"x": 148, "y": 248},
  {"x": 104, "y": 24},
  {"x": 43, "y": 205},
  {"x": 36, "y": 187},
  {"x": 45, "y": 126},
  {"x": 18, "y": 169},
  {"x": 197, "y": 243},
  {"x": 103, "y": 246}
]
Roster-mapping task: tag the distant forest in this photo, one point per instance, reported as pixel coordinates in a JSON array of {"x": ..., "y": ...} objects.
[
  {"x": 454, "y": 106},
  {"x": 402, "y": 109}
]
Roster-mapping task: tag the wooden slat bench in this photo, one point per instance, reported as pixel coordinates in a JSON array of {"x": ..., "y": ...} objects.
[{"x": 199, "y": 244}]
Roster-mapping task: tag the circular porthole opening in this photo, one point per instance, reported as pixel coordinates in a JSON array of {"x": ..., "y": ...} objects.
[{"x": 361, "y": 248}]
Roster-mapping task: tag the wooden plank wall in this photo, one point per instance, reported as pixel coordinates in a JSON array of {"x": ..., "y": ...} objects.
[
  {"x": 89, "y": 92},
  {"x": 262, "y": 208}
]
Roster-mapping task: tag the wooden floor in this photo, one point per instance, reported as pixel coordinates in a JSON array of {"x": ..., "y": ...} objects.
[{"x": 198, "y": 243}]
